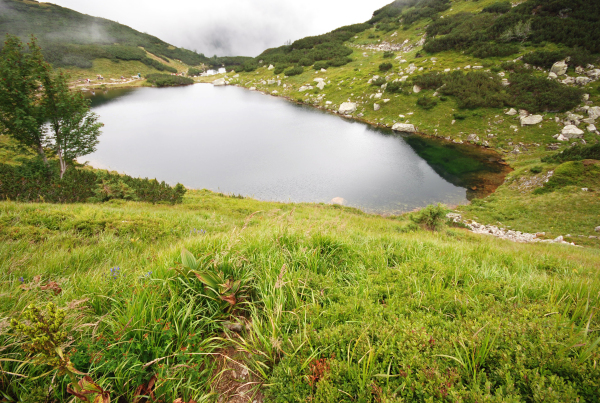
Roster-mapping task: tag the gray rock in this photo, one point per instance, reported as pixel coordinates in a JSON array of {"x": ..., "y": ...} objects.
[
  {"x": 531, "y": 120},
  {"x": 416, "y": 89},
  {"x": 404, "y": 127},
  {"x": 347, "y": 108},
  {"x": 592, "y": 128},
  {"x": 568, "y": 81},
  {"x": 321, "y": 85},
  {"x": 583, "y": 80},
  {"x": 338, "y": 201},
  {"x": 552, "y": 76},
  {"x": 572, "y": 132},
  {"x": 271, "y": 67},
  {"x": 511, "y": 112},
  {"x": 376, "y": 107},
  {"x": 473, "y": 137},
  {"x": 597, "y": 229},
  {"x": 219, "y": 82},
  {"x": 594, "y": 112},
  {"x": 559, "y": 68}
]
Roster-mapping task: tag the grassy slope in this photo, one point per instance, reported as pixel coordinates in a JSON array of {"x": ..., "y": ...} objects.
[
  {"x": 350, "y": 83},
  {"x": 357, "y": 291}
]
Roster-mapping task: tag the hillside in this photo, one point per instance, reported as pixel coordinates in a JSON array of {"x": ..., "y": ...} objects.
[
  {"x": 476, "y": 72},
  {"x": 215, "y": 298}
]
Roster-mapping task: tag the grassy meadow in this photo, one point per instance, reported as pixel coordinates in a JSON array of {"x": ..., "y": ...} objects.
[{"x": 334, "y": 305}]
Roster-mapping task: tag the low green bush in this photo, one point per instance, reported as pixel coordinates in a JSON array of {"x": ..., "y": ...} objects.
[
  {"x": 431, "y": 217},
  {"x": 385, "y": 66},
  {"x": 536, "y": 169},
  {"x": 500, "y": 7},
  {"x": 388, "y": 55},
  {"x": 430, "y": 81},
  {"x": 167, "y": 80},
  {"x": 294, "y": 71},
  {"x": 426, "y": 102},
  {"x": 379, "y": 81},
  {"x": 538, "y": 94},
  {"x": 278, "y": 69},
  {"x": 576, "y": 153},
  {"x": 32, "y": 181},
  {"x": 193, "y": 72},
  {"x": 395, "y": 87},
  {"x": 320, "y": 65},
  {"x": 491, "y": 49},
  {"x": 573, "y": 173},
  {"x": 475, "y": 89}
]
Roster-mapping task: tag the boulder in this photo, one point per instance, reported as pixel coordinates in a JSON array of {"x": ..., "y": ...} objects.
[
  {"x": 560, "y": 137},
  {"x": 376, "y": 107},
  {"x": 416, "y": 89},
  {"x": 318, "y": 80},
  {"x": 597, "y": 229},
  {"x": 321, "y": 85},
  {"x": 323, "y": 71},
  {"x": 592, "y": 128},
  {"x": 572, "y": 132},
  {"x": 531, "y": 120},
  {"x": 404, "y": 127},
  {"x": 271, "y": 67},
  {"x": 347, "y": 108},
  {"x": 552, "y": 76},
  {"x": 594, "y": 74},
  {"x": 338, "y": 201},
  {"x": 219, "y": 82},
  {"x": 594, "y": 112},
  {"x": 271, "y": 82},
  {"x": 568, "y": 81},
  {"x": 473, "y": 137},
  {"x": 378, "y": 95},
  {"x": 511, "y": 112},
  {"x": 583, "y": 80},
  {"x": 559, "y": 68}
]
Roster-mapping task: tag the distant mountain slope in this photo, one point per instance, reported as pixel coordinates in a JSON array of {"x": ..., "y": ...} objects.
[{"x": 72, "y": 39}]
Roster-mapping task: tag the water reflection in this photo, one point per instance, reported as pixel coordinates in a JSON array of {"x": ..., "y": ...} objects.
[{"x": 236, "y": 141}]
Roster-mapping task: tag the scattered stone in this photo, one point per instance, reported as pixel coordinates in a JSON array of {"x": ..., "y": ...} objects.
[
  {"x": 416, "y": 89},
  {"x": 594, "y": 112},
  {"x": 568, "y": 81},
  {"x": 583, "y": 80},
  {"x": 597, "y": 229},
  {"x": 385, "y": 101},
  {"x": 473, "y": 137},
  {"x": 477, "y": 67},
  {"x": 552, "y": 76},
  {"x": 572, "y": 132},
  {"x": 592, "y": 128},
  {"x": 271, "y": 67},
  {"x": 559, "y": 68},
  {"x": 531, "y": 120},
  {"x": 321, "y": 85},
  {"x": 404, "y": 127},
  {"x": 376, "y": 107},
  {"x": 347, "y": 108},
  {"x": 219, "y": 82},
  {"x": 511, "y": 112},
  {"x": 338, "y": 201}
]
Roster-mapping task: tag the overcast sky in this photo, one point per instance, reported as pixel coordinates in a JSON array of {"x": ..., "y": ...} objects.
[{"x": 229, "y": 27}]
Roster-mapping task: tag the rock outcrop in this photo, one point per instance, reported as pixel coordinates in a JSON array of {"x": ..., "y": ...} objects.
[
  {"x": 347, "y": 108},
  {"x": 572, "y": 132},
  {"x": 404, "y": 128},
  {"x": 531, "y": 120},
  {"x": 559, "y": 68}
]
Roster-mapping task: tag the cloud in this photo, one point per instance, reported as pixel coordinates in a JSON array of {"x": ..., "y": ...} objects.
[{"x": 230, "y": 27}]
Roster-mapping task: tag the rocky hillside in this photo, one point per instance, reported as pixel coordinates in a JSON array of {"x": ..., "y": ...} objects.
[{"x": 521, "y": 79}]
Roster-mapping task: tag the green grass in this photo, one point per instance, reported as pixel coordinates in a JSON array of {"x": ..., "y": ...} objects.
[{"x": 391, "y": 311}]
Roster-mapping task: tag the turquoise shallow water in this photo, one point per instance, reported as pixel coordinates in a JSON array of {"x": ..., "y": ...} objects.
[{"x": 236, "y": 141}]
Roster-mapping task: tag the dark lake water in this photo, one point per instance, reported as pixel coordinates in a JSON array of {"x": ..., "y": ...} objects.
[{"x": 235, "y": 141}]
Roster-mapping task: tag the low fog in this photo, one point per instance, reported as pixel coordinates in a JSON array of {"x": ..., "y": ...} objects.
[{"x": 229, "y": 27}]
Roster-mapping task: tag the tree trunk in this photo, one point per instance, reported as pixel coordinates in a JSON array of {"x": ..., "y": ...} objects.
[{"x": 43, "y": 154}]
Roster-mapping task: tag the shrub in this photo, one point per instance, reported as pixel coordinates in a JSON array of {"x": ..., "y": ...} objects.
[
  {"x": 249, "y": 67},
  {"x": 426, "y": 102},
  {"x": 544, "y": 59},
  {"x": 576, "y": 153},
  {"x": 536, "y": 169},
  {"x": 193, "y": 72},
  {"x": 431, "y": 217},
  {"x": 572, "y": 173},
  {"x": 388, "y": 55},
  {"x": 294, "y": 71},
  {"x": 491, "y": 49},
  {"x": 320, "y": 65},
  {"x": 500, "y": 7},
  {"x": 32, "y": 182},
  {"x": 379, "y": 81},
  {"x": 385, "y": 67},
  {"x": 429, "y": 81},
  {"x": 538, "y": 94},
  {"x": 475, "y": 89},
  {"x": 339, "y": 62},
  {"x": 278, "y": 69},
  {"x": 306, "y": 62},
  {"x": 167, "y": 80},
  {"x": 394, "y": 87}
]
